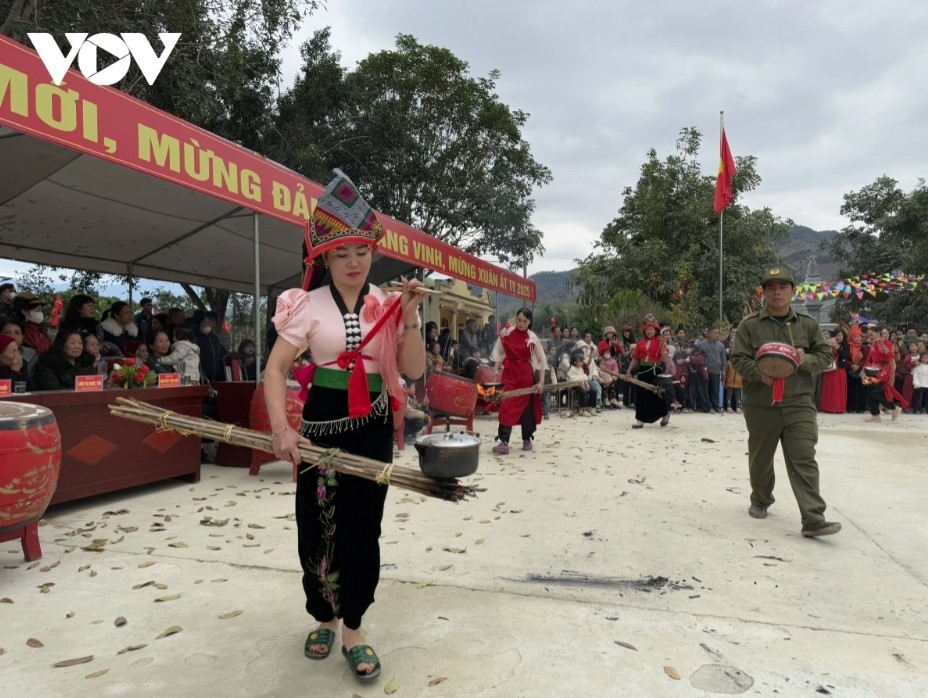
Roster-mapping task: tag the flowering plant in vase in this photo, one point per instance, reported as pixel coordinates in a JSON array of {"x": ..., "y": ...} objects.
[{"x": 132, "y": 374}]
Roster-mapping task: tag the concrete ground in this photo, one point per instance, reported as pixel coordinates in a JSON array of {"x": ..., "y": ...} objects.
[{"x": 608, "y": 562}]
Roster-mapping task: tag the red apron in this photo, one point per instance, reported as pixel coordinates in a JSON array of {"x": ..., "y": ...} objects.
[{"x": 517, "y": 373}]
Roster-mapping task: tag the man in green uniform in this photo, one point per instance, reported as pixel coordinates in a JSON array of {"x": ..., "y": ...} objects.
[{"x": 791, "y": 422}]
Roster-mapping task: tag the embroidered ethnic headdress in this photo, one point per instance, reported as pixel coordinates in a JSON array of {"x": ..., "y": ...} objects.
[{"x": 341, "y": 217}]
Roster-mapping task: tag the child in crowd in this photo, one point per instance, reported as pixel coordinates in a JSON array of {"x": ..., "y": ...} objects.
[
  {"x": 904, "y": 379},
  {"x": 184, "y": 350},
  {"x": 586, "y": 398},
  {"x": 920, "y": 385},
  {"x": 415, "y": 416},
  {"x": 613, "y": 389}
]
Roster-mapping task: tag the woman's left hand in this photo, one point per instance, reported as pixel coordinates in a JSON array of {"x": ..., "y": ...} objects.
[{"x": 410, "y": 300}]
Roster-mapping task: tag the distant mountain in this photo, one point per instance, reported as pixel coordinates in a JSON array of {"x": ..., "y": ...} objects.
[
  {"x": 798, "y": 249},
  {"x": 802, "y": 245},
  {"x": 551, "y": 286}
]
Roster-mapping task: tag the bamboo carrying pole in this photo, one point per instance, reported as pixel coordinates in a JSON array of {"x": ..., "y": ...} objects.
[
  {"x": 384, "y": 473},
  {"x": 634, "y": 381},
  {"x": 550, "y": 387}
]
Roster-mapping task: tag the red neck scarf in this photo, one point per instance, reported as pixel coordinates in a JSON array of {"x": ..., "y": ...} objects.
[{"x": 359, "y": 398}]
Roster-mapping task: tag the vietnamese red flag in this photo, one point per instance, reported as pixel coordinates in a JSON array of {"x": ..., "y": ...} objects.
[{"x": 727, "y": 170}]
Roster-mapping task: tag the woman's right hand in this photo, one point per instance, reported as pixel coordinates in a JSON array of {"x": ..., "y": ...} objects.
[{"x": 286, "y": 444}]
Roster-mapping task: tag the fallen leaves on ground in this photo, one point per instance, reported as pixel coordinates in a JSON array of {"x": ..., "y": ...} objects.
[
  {"x": 625, "y": 645},
  {"x": 73, "y": 662},
  {"x": 210, "y": 521},
  {"x": 392, "y": 686},
  {"x": 437, "y": 680},
  {"x": 671, "y": 672},
  {"x": 120, "y": 621},
  {"x": 230, "y": 614},
  {"x": 33, "y": 642},
  {"x": 96, "y": 674},
  {"x": 132, "y": 648},
  {"x": 169, "y": 597},
  {"x": 173, "y": 630}
]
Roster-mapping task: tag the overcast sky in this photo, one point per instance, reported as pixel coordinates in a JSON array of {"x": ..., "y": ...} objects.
[{"x": 827, "y": 95}]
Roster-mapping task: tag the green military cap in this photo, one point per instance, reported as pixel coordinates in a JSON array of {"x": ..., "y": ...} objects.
[{"x": 777, "y": 274}]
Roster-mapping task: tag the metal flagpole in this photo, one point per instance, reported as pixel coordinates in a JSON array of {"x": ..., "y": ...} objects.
[{"x": 721, "y": 218}]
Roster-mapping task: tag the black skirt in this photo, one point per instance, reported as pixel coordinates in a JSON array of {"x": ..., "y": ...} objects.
[{"x": 649, "y": 407}]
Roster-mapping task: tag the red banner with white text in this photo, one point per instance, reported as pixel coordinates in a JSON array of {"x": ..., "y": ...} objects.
[{"x": 111, "y": 125}]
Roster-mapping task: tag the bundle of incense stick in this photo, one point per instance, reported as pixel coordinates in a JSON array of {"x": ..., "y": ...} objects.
[
  {"x": 634, "y": 381},
  {"x": 407, "y": 478}
]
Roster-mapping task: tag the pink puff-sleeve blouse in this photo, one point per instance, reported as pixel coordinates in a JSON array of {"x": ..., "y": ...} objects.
[{"x": 313, "y": 319}]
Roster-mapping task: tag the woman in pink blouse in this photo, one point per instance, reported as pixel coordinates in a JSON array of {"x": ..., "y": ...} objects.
[{"x": 339, "y": 516}]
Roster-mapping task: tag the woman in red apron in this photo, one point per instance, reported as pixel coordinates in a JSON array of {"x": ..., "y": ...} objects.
[{"x": 524, "y": 365}]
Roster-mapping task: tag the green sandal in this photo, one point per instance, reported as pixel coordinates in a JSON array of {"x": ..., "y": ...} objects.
[
  {"x": 362, "y": 654},
  {"x": 320, "y": 636}
]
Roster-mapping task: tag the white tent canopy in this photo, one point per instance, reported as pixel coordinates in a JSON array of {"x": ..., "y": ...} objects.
[{"x": 64, "y": 208}]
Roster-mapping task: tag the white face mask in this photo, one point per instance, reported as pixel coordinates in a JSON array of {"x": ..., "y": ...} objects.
[
  {"x": 36, "y": 316},
  {"x": 206, "y": 330}
]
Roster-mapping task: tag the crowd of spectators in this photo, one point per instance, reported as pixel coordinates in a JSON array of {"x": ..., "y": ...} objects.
[
  {"x": 901, "y": 358},
  {"x": 699, "y": 377},
  {"x": 45, "y": 358}
]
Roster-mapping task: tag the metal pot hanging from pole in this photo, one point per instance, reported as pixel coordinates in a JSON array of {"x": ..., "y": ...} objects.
[{"x": 448, "y": 455}]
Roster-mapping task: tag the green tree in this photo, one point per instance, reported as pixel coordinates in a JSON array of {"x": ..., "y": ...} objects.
[
  {"x": 221, "y": 76},
  {"x": 888, "y": 230},
  {"x": 664, "y": 242},
  {"x": 433, "y": 146},
  {"x": 306, "y": 137}
]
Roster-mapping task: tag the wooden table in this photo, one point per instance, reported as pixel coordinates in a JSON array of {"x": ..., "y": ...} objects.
[
  {"x": 233, "y": 403},
  {"x": 101, "y": 453}
]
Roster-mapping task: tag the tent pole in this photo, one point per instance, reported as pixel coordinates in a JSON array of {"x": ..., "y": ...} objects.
[
  {"x": 257, "y": 303},
  {"x": 131, "y": 285}
]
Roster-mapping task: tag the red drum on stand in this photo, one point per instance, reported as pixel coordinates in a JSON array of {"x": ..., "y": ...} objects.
[
  {"x": 30, "y": 462},
  {"x": 259, "y": 420},
  {"x": 777, "y": 359},
  {"x": 452, "y": 400},
  {"x": 488, "y": 376},
  {"x": 450, "y": 393}
]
